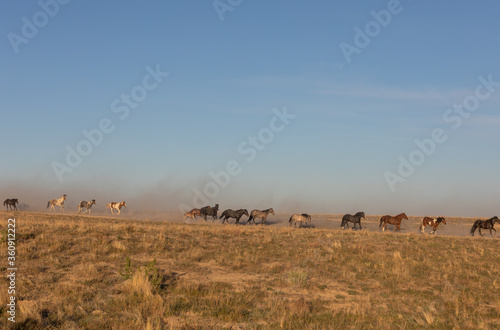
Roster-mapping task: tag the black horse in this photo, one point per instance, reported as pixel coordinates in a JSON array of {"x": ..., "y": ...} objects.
[
  {"x": 208, "y": 210},
  {"x": 11, "y": 203},
  {"x": 356, "y": 219},
  {"x": 233, "y": 214},
  {"x": 484, "y": 224}
]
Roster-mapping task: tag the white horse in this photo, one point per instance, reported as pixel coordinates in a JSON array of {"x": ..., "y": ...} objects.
[
  {"x": 302, "y": 218},
  {"x": 116, "y": 206},
  {"x": 58, "y": 202}
]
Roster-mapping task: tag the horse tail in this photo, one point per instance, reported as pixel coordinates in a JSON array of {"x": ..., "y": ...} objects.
[
  {"x": 290, "y": 220},
  {"x": 381, "y": 220},
  {"x": 223, "y": 214},
  {"x": 421, "y": 224},
  {"x": 48, "y": 204},
  {"x": 5, "y": 203}
]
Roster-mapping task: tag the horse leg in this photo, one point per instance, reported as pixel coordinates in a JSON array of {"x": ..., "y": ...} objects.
[{"x": 480, "y": 232}]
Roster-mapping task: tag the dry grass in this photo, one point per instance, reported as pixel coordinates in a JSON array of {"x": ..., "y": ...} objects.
[{"x": 73, "y": 273}]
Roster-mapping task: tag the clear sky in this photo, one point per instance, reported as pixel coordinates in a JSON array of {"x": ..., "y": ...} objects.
[{"x": 182, "y": 89}]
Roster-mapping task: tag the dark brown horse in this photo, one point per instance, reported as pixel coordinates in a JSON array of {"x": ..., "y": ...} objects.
[
  {"x": 433, "y": 222},
  {"x": 389, "y": 219},
  {"x": 210, "y": 211},
  {"x": 484, "y": 224},
  {"x": 11, "y": 203},
  {"x": 233, "y": 214}
]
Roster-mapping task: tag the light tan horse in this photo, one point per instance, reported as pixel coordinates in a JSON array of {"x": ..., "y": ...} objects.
[
  {"x": 116, "y": 206},
  {"x": 302, "y": 218},
  {"x": 58, "y": 202},
  {"x": 259, "y": 214},
  {"x": 191, "y": 214}
]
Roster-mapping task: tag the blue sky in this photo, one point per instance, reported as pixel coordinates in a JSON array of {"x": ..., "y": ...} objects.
[{"x": 353, "y": 118}]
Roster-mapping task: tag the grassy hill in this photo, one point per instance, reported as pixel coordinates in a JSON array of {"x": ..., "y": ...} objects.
[{"x": 100, "y": 272}]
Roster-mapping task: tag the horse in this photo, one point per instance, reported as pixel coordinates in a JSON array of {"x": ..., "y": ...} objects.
[
  {"x": 356, "y": 219},
  {"x": 302, "y": 218},
  {"x": 10, "y": 203},
  {"x": 191, "y": 214},
  {"x": 485, "y": 224},
  {"x": 260, "y": 214},
  {"x": 86, "y": 205},
  {"x": 434, "y": 223},
  {"x": 233, "y": 214},
  {"x": 58, "y": 202},
  {"x": 208, "y": 210},
  {"x": 388, "y": 219},
  {"x": 116, "y": 206}
]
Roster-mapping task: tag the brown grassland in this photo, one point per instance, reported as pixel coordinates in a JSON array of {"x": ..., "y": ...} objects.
[{"x": 77, "y": 271}]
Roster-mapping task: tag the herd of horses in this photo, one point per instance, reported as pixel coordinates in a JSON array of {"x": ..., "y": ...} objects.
[
  {"x": 228, "y": 214},
  {"x": 83, "y": 205},
  {"x": 355, "y": 219},
  {"x": 298, "y": 218}
]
